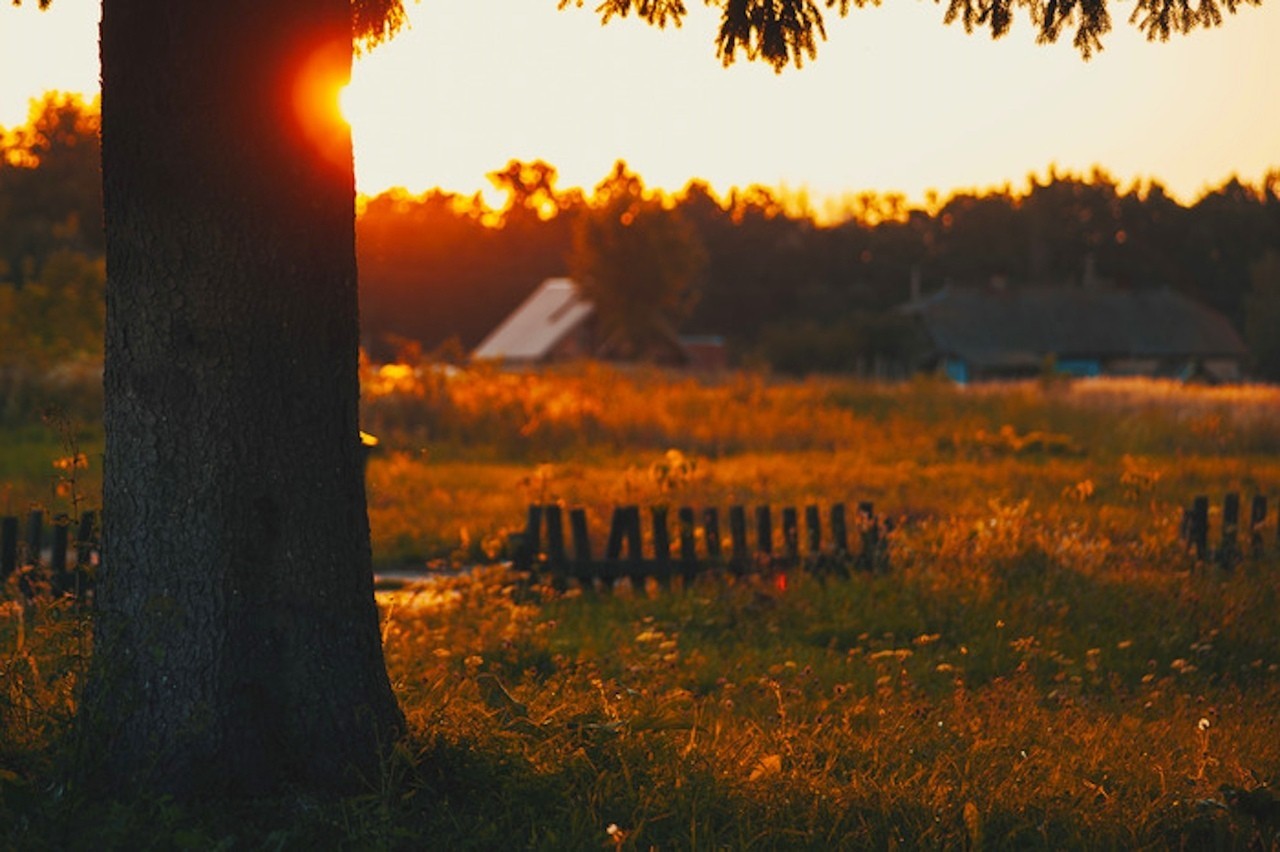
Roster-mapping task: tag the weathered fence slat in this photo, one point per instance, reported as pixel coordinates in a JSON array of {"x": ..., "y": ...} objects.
[
  {"x": 555, "y": 536},
  {"x": 813, "y": 528},
  {"x": 530, "y": 545},
  {"x": 1198, "y": 526},
  {"x": 661, "y": 543},
  {"x": 1257, "y": 518},
  {"x": 790, "y": 535},
  {"x": 35, "y": 536},
  {"x": 738, "y": 532},
  {"x": 613, "y": 547},
  {"x": 1229, "y": 551},
  {"x": 688, "y": 541},
  {"x": 581, "y": 542},
  {"x": 839, "y": 530},
  {"x": 84, "y": 539},
  {"x": 61, "y": 535},
  {"x": 711, "y": 532},
  {"x": 764, "y": 530},
  {"x": 624, "y": 555},
  {"x": 868, "y": 559},
  {"x": 634, "y": 538},
  {"x": 8, "y": 547}
]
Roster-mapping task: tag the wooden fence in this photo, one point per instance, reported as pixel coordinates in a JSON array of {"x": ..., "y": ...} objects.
[
  {"x": 543, "y": 546},
  {"x": 69, "y": 554},
  {"x": 1230, "y": 550}
]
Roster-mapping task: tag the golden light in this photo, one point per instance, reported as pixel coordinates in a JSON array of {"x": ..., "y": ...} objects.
[
  {"x": 346, "y": 101},
  {"x": 320, "y": 77}
]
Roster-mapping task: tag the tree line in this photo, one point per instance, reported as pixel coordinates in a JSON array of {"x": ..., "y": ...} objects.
[{"x": 784, "y": 286}]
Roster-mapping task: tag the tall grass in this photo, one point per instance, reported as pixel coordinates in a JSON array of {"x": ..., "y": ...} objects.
[{"x": 1044, "y": 667}]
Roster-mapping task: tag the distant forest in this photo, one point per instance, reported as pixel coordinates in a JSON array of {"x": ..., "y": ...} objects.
[{"x": 783, "y": 286}]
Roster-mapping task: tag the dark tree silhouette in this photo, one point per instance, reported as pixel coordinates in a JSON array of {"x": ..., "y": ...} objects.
[
  {"x": 236, "y": 644},
  {"x": 636, "y": 261},
  {"x": 786, "y": 31},
  {"x": 50, "y": 186}
]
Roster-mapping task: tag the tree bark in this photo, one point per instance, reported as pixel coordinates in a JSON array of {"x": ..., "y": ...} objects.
[{"x": 236, "y": 643}]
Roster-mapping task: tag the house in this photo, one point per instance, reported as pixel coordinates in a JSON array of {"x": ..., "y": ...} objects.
[
  {"x": 552, "y": 324},
  {"x": 556, "y": 323},
  {"x": 976, "y": 333}
]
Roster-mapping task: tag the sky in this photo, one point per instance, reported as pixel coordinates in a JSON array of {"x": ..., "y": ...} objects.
[{"x": 894, "y": 102}]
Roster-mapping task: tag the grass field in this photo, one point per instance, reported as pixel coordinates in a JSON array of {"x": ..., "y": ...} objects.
[{"x": 1043, "y": 667}]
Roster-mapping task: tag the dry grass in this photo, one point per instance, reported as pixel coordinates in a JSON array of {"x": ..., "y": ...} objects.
[{"x": 1044, "y": 667}]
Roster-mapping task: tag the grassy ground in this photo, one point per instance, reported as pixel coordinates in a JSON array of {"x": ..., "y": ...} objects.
[{"x": 1044, "y": 666}]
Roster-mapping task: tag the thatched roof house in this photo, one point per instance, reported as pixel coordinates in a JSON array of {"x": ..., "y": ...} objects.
[{"x": 994, "y": 332}]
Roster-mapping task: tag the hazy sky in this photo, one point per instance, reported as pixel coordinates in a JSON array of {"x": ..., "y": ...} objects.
[{"x": 895, "y": 101}]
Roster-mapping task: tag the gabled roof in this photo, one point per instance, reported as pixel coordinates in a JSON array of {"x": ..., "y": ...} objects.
[
  {"x": 1020, "y": 326},
  {"x": 531, "y": 331}
]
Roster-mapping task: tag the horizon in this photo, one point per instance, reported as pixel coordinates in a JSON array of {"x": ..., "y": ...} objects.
[{"x": 978, "y": 116}]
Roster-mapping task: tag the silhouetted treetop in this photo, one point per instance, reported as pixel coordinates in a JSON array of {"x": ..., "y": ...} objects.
[
  {"x": 785, "y": 31},
  {"x": 372, "y": 21}
]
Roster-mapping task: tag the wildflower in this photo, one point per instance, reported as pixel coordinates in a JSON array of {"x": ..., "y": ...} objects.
[
  {"x": 1203, "y": 724},
  {"x": 79, "y": 461}
]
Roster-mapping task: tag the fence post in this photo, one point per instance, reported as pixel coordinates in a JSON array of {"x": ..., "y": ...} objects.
[
  {"x": 813, "y": 530},
  {"x": 711, "y": 533},
  {"x": 635, "y": 549},
  {"x": 868, "y": 559},
  {"x": 738, "y": 531},
  {"x": 35, "y": 535},
  {"x": 555, "y": 536},
  {"x": 84, "y": 540},
  {"x": 1229, "y": 552},
  {"x": 840, "y": 538},
  {"x": 764, "y": 530},
  {"x": 557, "y": 561},
  {"x": 790, "y": 535},
  {"x": 59, "y": 581},
  {"x": 661, "y": 544},
  {"x": 688, "y": 544},
  {"x": 530, "y": 542},
  {"x": 613, "y": 547},
  {"x": 1257, "y": 519},
  {"x": 581, "y": 544},
  {"x": 8, "y": 547},
  {"x": 1199, "y": 526}
]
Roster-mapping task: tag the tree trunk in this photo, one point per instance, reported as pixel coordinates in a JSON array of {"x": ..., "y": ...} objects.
[{"x": 236, "y": 642}]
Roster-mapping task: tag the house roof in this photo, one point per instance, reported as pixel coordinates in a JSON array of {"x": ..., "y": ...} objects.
[
  {"x": 542, "y": 320},
  {"x": 1020, "y": 326}
]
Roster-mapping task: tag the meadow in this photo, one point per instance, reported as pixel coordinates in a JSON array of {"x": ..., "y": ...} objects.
[{"x": 1043, "y": 666}]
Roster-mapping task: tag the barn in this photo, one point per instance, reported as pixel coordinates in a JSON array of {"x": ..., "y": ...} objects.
[{"x": 977, "y": 333}]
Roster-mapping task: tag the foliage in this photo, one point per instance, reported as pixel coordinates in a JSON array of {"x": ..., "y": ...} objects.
[
  {"x": 637, "y": 261},
  {"x": 772, "y": 273},
  {"x": 1262, "y": 315},
  {"x": 50, "y": 186},
  {"x": 787, "y": 31}
]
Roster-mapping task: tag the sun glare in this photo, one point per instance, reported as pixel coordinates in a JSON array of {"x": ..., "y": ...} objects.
[
  {"x": 346, "y": 98},
  {"x": 320, "y": 79}
]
